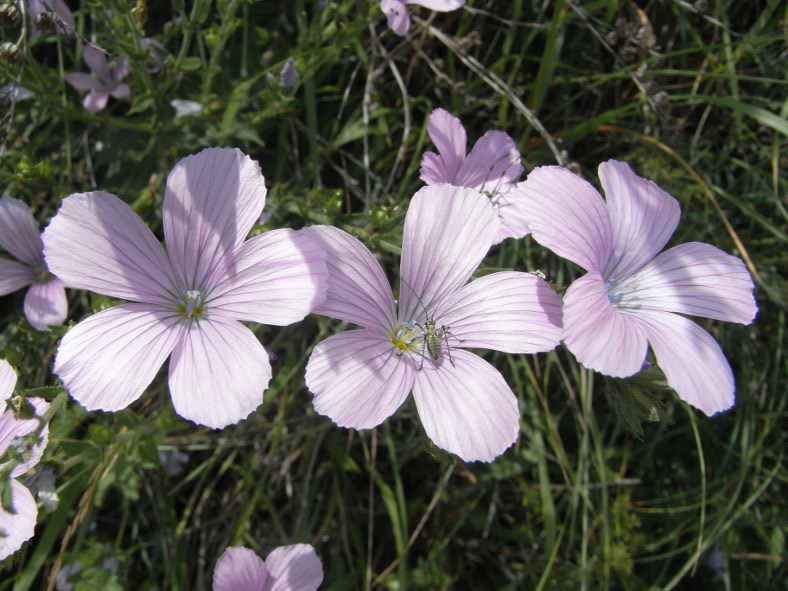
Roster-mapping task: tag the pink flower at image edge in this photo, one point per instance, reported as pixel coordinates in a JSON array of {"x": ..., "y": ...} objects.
[
  {"x": 397, "y": 16},
  {"x": 103, "y": 81},
  {"x": 287, "y": 568}
]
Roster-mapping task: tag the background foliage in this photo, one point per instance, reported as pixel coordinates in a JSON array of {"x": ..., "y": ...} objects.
[{"x": 691, "y": 93}]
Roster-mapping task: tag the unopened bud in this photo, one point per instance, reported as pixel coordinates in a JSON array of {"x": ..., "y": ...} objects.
[
  {"x": 9, "y": 15},
  {"x": 47, "y": 22},
  {"x": 11, "y": 53}
]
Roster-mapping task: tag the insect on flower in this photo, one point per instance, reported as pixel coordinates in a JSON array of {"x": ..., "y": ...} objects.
[{"x": 429, "y": 334}]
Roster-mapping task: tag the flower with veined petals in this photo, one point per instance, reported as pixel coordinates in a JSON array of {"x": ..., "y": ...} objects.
[
  {"x": 18, "y": 527},
  {"x": 103, "y": 81},
  {"x": 45, "y": 301},
  {"x": 632, "y": 296},
  {"x": 492, "y": 167},
  {"x": 360, "y": 377},
  {"x": 396, "y": 11},
  {"x": 188, "y": 302},
  {"x": 287, "y": 568}
]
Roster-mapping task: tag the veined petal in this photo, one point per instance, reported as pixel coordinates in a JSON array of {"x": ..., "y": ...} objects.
[
  {"x": 213, "y": 199},
  {"x": 642, "y": 218},
  {"x": 46, "y": 304},
  {"x": 568, "y": 216},
  {"x": 82, "y": 81},
  {"x": 492, "y": 165},
  {"x": 19, "y": 231},
  {"x": 358, "y": 379},
  {"x": 7, "y": 382},
  {"x": 438, "y": 5},
  {"x": 448, "y": 135},
  {"x": 693, "y": 278},
  {"x": 279, "y": 277},
  {"x": 511, "y": 211},
  {"x": 509, "y": 311},
  {"x": 107, "y": 360},
  {"x": 448, "y": 231},
  {"x": 294, "y": 568},
  {"x": 218, "y": 372},
  {"x": 17, "y": 528},
  {"x": 12, "y": 427},
  {"x": 397, "y": 14},
  {"x": 97, "y": 242},
  {"x": 239, "y": 569},
  {"x": 357, "y": 290},
  {"x": 14, "y": 276},
  {"x": 601, "y": 337},
  {"x": 693, "y": 363},
  {"x": 466, "y": 407}
]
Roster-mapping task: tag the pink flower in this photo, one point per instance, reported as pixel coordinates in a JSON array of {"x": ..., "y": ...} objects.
[
  {"x": 360, "y": 377},
  {"x": 396, "y": 11},
  {"x": 287, "y": 568},
  {"x": 45, "y": 302},
  {"x": 188, "y": 303},
  {"x": 632, "y": 296},
  {"x": 18, "y": 527},
  {"x": 56, "y": 10},
  {"x": 103, "y": 81},
  {"x": 492, "y": 167}
]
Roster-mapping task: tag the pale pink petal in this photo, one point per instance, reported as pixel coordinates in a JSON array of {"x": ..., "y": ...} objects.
[
  {"x": 691, "y": 359},
  {"x": 493, "y": 164},
  {"x": 448, "y": 135},
  {"x": 46, "y": 304},
  {"x": 293, "y": 568},
  {"x": 508, "y": 311},
  {"x": 239, "y": 569},
  {"x": 95, "y": 101},
  {"x": 96, "y": 60},
  {"x": 7, "y": 383},
  {"x": 213, "y": 199},
  {"x": 511, "y": 211},
  {"x": 693, "y": 278},
  {"x": 96, "y": 242},
  {"x": 16, "y": 528},
  {"x": 600, "y": 336},
  {"x": 568, "y": 216},
  {"x": 466, "y": 407},
  {"x": 358, "y": 379},
  {"x": 107, "y": 360},
  {"x": 19, "y": 231},
  {"x": 218, "y": 372},
  {"x": 448, "y": 231},
  {"x": 121, "y": 91},
  {"x": 397, "y": 14},
  {"x": 439, "y": 5},
  {"x": 12, "y": 427},
  {"x": 82, "y": 81},
  {"x": 642, "y": 218},
  {"x": 279, "y": 278},
  {"x": 357, "y": 288},
  {"x": 121, "y": 69},
  {"x": 14, "y": 276}
]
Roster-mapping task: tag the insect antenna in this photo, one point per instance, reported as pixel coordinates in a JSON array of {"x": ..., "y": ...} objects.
[{"x": 413, "y": 291}]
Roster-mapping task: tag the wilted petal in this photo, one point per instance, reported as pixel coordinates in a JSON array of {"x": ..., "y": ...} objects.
[
  {"x": 448, "y": 135},
  {"x": 213, "y": 199},
  {"x": 466, "y": 407},
  {"x": 97, "y": 242},
  {"x": 288, "y": 78},
  {"x": 239, "y": 569},
  {"x": 218, "y": 372},
  {"x": 184, "y": 108},
  {"x": 82, "y": 81},
  {"x": 493, "y": 164},
  {"x": 16, "y": 528},
  {"x": 294, "y": 568},
  {"x": 12, "y": 427},
  {"x": 107, "y": 360},
  {"x": 509, "y": 311},
  {"x": 691, "y": 359},
  {"x": 14, "y": 276},
  {"x": 19, "y": 231},
  {"x": 357, "y": 288},
  {"x": 693, "y": 278},
  {"x": 601, "y": 337},
  {"x": 358, "y": 379},
  {"x": 397, "y": 14},
  {"x": 7, "y": 383},
  {"x": 568, "y": 216},
  {"x": 95, "y": 101},
  {"x": 448, "y": 231},
  {"x": 642, "y": 218},
  {"x": 46, "y": 304},
  {"x": 278, "y": 278},
  {"x": 439, "y": 5},
  {"x": 96, "y": 60}
]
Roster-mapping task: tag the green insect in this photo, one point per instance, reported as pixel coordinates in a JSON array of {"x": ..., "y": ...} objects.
[{"x": 430, "y": 335}]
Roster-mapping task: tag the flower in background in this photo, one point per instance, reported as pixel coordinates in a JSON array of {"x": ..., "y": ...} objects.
[
  {"x": 103, "y": 81},
  {"x": 188, "y": 302},
  {"x": 19, "y": 526},
  {"x": 632, "y": 296},
  {"x": 492, "y": 167},
  {"x": 184, "y": 108},
  {"x": 289, "y": 75},
  {"x": 45, "y": 301},
  {"x": 361, "y": 377},
  {"x": 49, "y": 15},
  {"x": 396, "y": 11},
  {"x": 14, "y": 93},
  {"x": 287, "y": 568}
]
